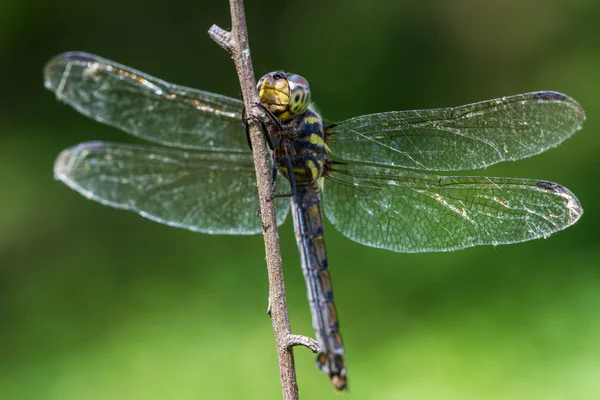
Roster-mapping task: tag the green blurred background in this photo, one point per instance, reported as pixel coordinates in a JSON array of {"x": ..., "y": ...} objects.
[{"x": 97, "y": 303}]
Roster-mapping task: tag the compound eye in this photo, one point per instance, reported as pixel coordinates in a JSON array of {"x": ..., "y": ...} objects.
[{"x": 299, "y": 94}]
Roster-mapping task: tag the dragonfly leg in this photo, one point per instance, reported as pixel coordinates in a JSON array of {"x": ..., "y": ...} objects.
[
  {"x": 290, "y": 171},
  {"x": 246, "y": 127},
  {"x": 263, "y": 127},
  {"x": 272, "y": 117},
  {"x": 274, "y": 173}
]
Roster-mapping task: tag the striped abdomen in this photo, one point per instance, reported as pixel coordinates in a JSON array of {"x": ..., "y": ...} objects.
[{"x": 308, "y": 227}]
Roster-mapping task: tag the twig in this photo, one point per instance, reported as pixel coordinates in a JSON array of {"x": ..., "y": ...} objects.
[
  {"x": 299, "y": 340},
  {"x": 236, "y": 43}
]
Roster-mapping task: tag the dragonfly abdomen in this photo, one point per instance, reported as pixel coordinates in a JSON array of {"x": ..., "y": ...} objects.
[{"x": 308, "y": 226}]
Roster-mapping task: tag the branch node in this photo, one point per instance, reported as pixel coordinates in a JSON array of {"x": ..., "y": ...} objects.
[
  {"x": 221, "y": 37},
  {"x": 299, "y": 340}
]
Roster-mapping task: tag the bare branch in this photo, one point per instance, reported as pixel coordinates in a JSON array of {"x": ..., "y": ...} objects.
[
  {"x": 236, "y": 43},
  {"x": 221, "y": 36},
  {"x": 308, "y": 342}
]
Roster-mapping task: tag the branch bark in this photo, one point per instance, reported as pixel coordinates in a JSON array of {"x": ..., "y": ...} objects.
[
  {"x": 236, "y": 43},
  {"x": 299, "y": 340}
]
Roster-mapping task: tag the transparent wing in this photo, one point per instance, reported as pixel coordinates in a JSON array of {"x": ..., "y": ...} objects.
[
  {"x": 466, "y": 137},
  {"x": 206, "y": 192},
  {"x": 146, "y": 106},
  {"x": 404, "y": 211}
]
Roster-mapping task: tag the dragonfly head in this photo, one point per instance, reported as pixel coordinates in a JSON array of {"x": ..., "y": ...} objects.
[{"x": 285, "y": 95}]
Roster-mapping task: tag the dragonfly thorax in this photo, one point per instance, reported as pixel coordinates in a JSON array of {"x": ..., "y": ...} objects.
[
  {"x": 285, "y": 95},
  {"x": 301, "y": 145}
]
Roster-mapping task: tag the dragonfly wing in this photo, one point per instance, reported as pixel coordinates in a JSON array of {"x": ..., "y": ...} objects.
[
  {"x": 145, "y": 106},
  {"x": 210, "y": 192},
  {"x": 404, "y": 211},
  {"x": 466, "y": 137}
]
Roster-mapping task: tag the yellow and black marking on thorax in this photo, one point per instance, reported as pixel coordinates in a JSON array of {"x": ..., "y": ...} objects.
[{"x": 307, "y": 150}]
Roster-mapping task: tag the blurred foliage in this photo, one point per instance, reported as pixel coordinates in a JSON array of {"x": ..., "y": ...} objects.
[{"x": 97, "y": 303}]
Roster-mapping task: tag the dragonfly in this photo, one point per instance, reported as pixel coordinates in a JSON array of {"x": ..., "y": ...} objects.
[{"x": 373, "y": 176}]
